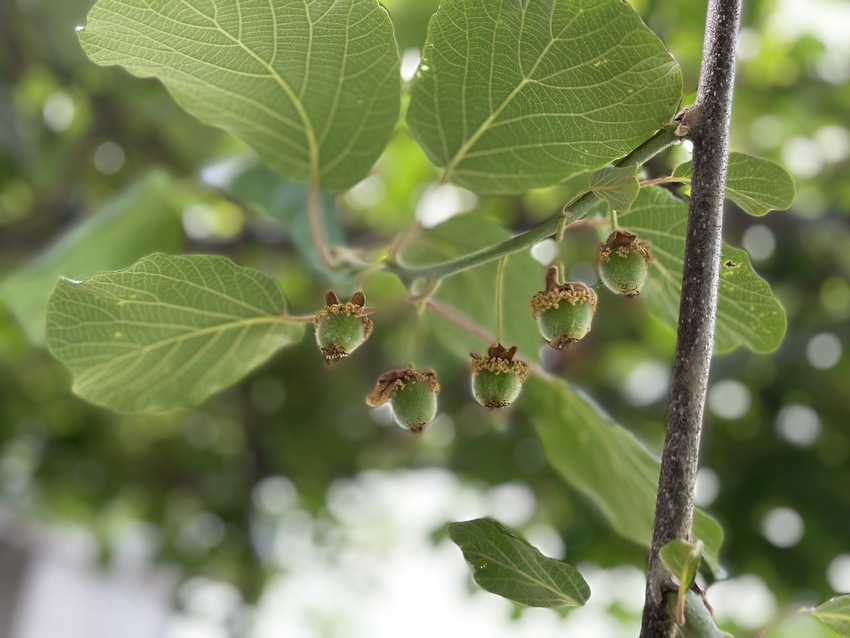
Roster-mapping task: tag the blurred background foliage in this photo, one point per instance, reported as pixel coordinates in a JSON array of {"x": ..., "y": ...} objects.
[{"x": 205, "y": 483}]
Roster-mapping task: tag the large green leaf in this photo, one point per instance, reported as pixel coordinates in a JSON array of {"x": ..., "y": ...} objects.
[
  {"x": 473, "y": 292},
  {"x": 515, "y": 95},
  {"x": 604, "y": 461},
  {"x": 504, "y": 564},
  {"x": 756, "y": 185},
  {"x": 138, "y": 222},
  {"x": 835, "y": 614},
  {"x": 314, "y": 87},
  {"x": 167, "y": 332},
  {"x": 747, "y": 312}
]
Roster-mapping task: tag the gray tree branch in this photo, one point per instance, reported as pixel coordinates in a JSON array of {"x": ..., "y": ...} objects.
[{"x": 706, "y": 123}]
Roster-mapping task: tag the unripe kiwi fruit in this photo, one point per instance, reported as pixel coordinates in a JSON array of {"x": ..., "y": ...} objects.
[
  {"x": 497, "y": 379},
  {"x": 411, "y": 394},
  {"x": 624, "y": 263},
  {"x": 342, "y": 327},
  {"x": 564, "y": 312}
]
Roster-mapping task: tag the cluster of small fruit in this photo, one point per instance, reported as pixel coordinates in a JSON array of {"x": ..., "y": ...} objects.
[{"x": 563, "y": 311}]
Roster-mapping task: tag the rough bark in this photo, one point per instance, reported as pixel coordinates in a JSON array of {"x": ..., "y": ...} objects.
[{"x": 706, "y": 123}]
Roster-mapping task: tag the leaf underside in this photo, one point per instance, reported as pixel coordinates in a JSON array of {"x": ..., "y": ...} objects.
[
  {"x": 511, "y": 96},
  {"x": 505, "y": 564},
  {"x": 313, "y": 87},
  {"x": 605, "y": 462},
  {"x": 167, "y": 332},
  {"x": 756, "y": 185},
  {"x": 835, "y": 614},
  {"x": 747, "y": 312}
]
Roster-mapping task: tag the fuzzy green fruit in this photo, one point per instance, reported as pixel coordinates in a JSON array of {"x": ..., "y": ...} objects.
[
  {"x": 497, "y": 379},
  {"x": 342, "y": 327},
  {"x": 415, "y": 405},
  {"x": 624, "y": 263},
  {"x": 564, "y": 312},
  {"x": 411, "y": 394}
]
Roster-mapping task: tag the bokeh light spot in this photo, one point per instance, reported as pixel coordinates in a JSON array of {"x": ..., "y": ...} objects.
[
  {"x": 782, "y": 527},
  {"x": 729, "y": 399}
]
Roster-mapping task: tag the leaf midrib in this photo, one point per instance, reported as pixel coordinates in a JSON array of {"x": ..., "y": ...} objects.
[
  {"x": 147, "y": 349},
  {"x": 532, "y": 578}
]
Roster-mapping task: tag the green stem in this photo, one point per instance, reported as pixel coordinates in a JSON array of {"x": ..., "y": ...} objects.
[
  {"x": 654, "y": 145},
  {"x": 499, "y": 277},
  {"x": 317, "y": 228},
  {"x": 615, "y": 223}
]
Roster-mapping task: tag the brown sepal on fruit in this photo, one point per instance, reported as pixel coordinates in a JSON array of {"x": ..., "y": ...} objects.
[
  {"x": 623, "y": 242},
  {"x": 499, "y": 359},
  {"x": 572, "y": 292},
  {"x": 394, "y": 380}
]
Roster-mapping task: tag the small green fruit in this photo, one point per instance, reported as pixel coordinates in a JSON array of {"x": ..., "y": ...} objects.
[
  {"x": 623, "y": 263},
  {"x": 497, "y": 379},
  {"x": 411, "y": 394},
  {"x": 564, "y": 312},
  {"x": 341, "y": 327}
]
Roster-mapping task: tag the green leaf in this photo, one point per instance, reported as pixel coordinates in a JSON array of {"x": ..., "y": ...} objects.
[
  {"x": 140, "y": 221},
  {"x": 167, "y": 332},
  {"x": 747, "y": 312},
  {"x": 756, "y": 185},
  {"x": 835, "y": 614},
  {"x": 605, "y": 462},
  {"x": 695, "y": 620},
  {"x": 505, "y": 564},
  {"x": 513, "y": 95},
  {"x": 473, "y": 292},
  {"x": 682, "y": 559},
  {"x": 313, "y": 87},
  {"x": 616, "y": 186}
]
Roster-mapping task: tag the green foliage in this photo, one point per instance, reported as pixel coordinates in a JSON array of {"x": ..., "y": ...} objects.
[
  {"x": 140, "y": 221},
  {"x": 472, "y": 291},
  {"x": 325, "y": 114},
  {"x": 167, "y": 332},
  {"x": 747, "y": 312},
  {"x": 835, "y": 614},
  {"x": 313, "y": 88},
  {"x": 756, "y": 185},
  {"x": 616, "y": 186},
  {"x": 511, "y": 96},
  {"x": 605, "y": 462},
  {"x": 683, "y": 560},
  {"x": 504, "y": 564},
  {"x": 698, "y": 621}
]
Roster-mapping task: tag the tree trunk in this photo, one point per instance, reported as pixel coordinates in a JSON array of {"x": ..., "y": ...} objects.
[{"x": 706, "y": 123}]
